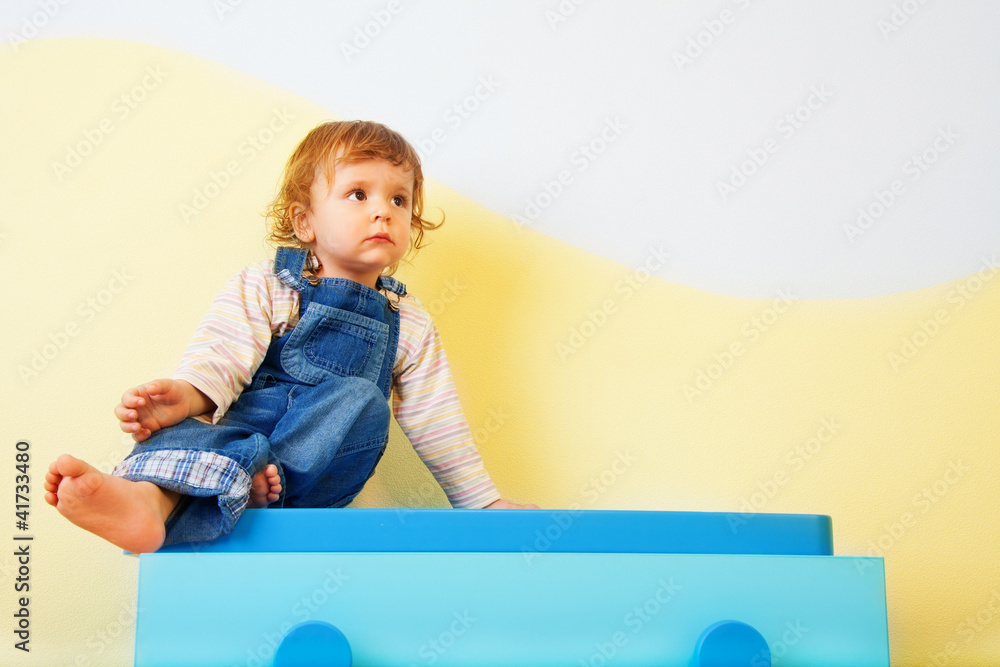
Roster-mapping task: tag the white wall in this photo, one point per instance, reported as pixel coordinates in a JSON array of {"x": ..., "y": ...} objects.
[{"x": 886, "y": 106}]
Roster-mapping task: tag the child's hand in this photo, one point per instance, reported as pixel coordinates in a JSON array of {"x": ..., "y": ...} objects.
[
  {"x": 507, "y": 505},
  {"x": 159, "y": 404}
]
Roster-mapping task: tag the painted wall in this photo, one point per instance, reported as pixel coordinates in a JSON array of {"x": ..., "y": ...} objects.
[{"x": 707, "y": 256}]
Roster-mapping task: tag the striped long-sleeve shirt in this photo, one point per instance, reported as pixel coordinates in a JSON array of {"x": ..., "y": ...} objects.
[{"x": 255, "y": 307}]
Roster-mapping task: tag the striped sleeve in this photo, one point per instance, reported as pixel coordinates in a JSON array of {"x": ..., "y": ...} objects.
[
  {"x": 427, "y": 408},
  {"x": 232, "y": 339}
]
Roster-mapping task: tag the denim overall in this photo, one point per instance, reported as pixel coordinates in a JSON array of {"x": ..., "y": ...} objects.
[{"x": 317, "y": 408}]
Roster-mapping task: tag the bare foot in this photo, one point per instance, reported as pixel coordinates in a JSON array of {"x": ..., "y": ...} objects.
[
  {"x": 266, "y": 487},
  {"x": 128, "y": 514}
]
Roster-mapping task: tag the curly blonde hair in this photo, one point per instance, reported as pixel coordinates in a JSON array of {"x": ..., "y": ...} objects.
[{"x": 328, "y": 145}]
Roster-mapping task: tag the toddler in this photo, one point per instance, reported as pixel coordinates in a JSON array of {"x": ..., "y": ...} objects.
[{"x": 282, "y": 397}]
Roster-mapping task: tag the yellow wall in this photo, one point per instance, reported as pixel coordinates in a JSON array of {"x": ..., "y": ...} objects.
[{"x": 586, "y": 382}]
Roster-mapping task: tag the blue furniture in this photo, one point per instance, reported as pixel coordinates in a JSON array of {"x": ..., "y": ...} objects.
[{"x": 505, "y": 587}]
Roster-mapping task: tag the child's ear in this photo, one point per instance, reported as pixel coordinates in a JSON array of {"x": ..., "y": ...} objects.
[{"x": 300, "y": 225}]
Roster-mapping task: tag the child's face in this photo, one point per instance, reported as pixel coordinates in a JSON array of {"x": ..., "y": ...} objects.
[{"x": 362, "y": 224}]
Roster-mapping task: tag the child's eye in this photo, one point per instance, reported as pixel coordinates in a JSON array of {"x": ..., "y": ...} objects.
[
  {"x": 357, "y": 195},
  {"x": 399, "y": 200}
]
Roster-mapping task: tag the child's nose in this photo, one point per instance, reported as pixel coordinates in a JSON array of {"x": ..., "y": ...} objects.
[{"x": 380, "y": 210}]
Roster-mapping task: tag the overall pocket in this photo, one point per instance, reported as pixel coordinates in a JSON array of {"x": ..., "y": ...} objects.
[{"x": 330, "y": 342}]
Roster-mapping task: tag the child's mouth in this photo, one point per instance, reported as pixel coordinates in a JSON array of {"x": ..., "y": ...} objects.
[{"x": 379, "y": 238}]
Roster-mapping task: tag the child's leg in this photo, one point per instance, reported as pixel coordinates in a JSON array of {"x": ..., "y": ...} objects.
[
  {"x": 330, "y": 440},
  {"x": 130, "y": 515},
  {"x": 211, "y": 467},
  {"x": 187, "y": 483}
]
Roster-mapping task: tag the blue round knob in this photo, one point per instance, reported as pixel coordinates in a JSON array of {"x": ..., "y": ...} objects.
[
  {"x": 313, "y": 644},
  {"x": 732, "y": 644}
]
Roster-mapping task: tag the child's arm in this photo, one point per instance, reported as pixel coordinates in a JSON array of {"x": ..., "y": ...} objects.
[
  {"x": 427, "y": 408},
  {"x": 159, "y": 404},
  {"x": 233, "y": 337}
]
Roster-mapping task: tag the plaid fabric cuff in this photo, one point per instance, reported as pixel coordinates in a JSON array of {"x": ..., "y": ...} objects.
[{"x": 193, "y": 473}]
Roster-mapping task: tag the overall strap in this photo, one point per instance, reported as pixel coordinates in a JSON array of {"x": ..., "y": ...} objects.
[
  {"x": 290, "y": 262},
  {"x": 391, "y": 284},
  {"x": 392, "y": 344},
  {"x": 288, "y": 266}
]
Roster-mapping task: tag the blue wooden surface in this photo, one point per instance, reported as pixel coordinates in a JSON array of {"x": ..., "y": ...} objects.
[
  {"x": 556, "y": 531},
  {"x": 511, "y": 587},
  {"x": 505, "y": 609}
]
